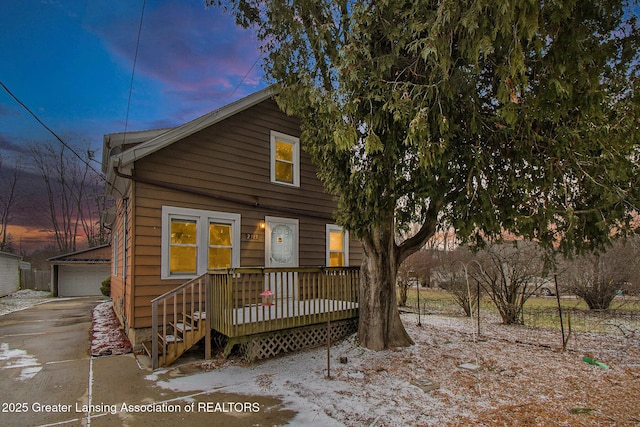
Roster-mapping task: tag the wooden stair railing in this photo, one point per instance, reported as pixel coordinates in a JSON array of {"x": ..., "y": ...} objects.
[{"x": 180, "y": 321}]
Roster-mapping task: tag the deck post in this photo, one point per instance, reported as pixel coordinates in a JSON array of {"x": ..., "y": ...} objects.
[
  {"x": 154, "y": 334},
  {"x": 207, "y": 318}
]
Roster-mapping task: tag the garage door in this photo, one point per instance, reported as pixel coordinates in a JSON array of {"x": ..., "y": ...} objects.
[{"x": 81, "y": 280}]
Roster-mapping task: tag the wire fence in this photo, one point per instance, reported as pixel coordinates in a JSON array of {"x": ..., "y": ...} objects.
[{"x": 613, "y": 322}]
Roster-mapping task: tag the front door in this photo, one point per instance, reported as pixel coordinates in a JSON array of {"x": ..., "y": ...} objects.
[
  {"x": 281, "y": 242},
  {"x": 281, "y": 251}
]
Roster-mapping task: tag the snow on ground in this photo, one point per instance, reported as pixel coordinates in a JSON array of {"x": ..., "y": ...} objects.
[
  {"x": 524, "y": 379},
  {"x": 22, "y": 299},
  {"x": 107, "y": 337}
]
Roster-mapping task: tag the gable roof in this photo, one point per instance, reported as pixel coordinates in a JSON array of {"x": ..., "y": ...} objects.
[
  {"x": 115, "y": 143},
  {"x": 167, "y": 138},
  {"x": 96, "y": 255}
]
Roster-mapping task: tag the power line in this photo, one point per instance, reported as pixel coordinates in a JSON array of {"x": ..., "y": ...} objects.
[
  {"x": 135, "y": 59},
  {"x": 245, "y": 76},
  {"x": 133, "y": 70},
  {"x": 28, "y": 110}
]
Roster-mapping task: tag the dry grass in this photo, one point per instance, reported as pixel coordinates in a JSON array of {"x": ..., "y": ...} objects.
[{"x": 542, "y": 312}]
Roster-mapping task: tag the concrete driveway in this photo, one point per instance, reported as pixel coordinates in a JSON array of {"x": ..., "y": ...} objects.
[{"x": 48, "y": 379}]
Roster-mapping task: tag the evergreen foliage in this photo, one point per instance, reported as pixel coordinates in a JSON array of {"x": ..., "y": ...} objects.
[{"x": 517, "y": 116}]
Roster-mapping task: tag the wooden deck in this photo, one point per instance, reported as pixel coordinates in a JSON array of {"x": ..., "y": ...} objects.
[
  {"x": 228, "y": 301},
  {"x": 303, "y": 296}
]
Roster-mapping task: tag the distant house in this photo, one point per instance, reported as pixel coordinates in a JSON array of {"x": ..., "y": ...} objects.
[
  {"x": 9, "y": 273},
  {"x": 230, "y": 199},
  {"x": 80, "y": 273}
]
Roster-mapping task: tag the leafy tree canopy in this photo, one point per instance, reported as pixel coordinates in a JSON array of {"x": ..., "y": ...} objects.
[
  {"x": 483, "y": 115},
  {"x": 519, "y": 115}
]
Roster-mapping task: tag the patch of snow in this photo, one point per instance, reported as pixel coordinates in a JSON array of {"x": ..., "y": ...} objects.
[
  {"x": 469, "y": 366},
  {"x": 23, "y": 299},
  {"x": 17, "y": 358},
  {"x": 523, "y": 378},
  {"x": 107, "y": 337},
  {"x": 29, "y": 372}
]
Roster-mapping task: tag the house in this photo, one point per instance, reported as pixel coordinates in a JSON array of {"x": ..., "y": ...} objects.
[
  {"x": 228, "y": 203},
  {"x": 80, "y": 273},
  {"x": 9, "y": 273}
]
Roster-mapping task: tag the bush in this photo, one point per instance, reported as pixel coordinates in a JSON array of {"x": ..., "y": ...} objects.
[
  {"x": 105, "y": 288},
  {"x": 457, "y": 287}
]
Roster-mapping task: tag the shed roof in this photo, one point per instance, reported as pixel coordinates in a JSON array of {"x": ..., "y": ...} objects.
[{"x": 10, "y": 255}]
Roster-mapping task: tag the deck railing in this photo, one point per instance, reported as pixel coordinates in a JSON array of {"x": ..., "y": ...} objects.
[
  {"x": 229, "y": 302},
  {"x": 302, "y": 296},
  {"x": 179, "y": 320}
]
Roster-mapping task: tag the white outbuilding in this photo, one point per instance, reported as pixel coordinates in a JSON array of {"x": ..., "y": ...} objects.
[
  {"x": 80, "y": 273},
  {"x": 9, "y": 273}
]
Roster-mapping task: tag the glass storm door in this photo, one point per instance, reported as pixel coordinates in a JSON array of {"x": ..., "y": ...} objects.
[
  {"x": 281, "y": 251},
  {"x": 281, "y": 242}
]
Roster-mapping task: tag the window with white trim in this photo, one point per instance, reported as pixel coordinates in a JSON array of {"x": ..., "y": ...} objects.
[
  {"x": 285, "y": 159},
  {"x": 220, "y": 245},
  {"x": 337, "y": 246},
  {"x": 195, "y": 240}
]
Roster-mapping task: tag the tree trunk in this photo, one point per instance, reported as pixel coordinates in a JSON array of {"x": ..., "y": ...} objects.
[{"x": 380, "y": 326}]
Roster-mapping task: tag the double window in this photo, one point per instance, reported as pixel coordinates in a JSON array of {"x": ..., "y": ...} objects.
[
  {"x": 285, "y": 159},
  {"x": 194, "y": 241},
  {"x": 337, "y": 246}
]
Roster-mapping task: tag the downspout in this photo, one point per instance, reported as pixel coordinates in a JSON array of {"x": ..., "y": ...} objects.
[{"x": 186, "y": 189}]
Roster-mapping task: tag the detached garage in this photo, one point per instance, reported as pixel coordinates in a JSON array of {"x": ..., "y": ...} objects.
[
  {"x": 9, "y": 273},
  {"x": 80, "y": 273}
]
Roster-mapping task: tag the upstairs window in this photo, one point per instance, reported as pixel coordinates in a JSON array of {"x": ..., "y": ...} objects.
[
  {"x": 337, "y": 246},
  {"x": 285, "y": 159}
]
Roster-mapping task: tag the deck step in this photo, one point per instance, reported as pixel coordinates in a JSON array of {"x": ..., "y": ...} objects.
[
  {"x": 181, "y": 327},
  {"x": 169, "y": 338},
  {"x": 197, "y": 315}
]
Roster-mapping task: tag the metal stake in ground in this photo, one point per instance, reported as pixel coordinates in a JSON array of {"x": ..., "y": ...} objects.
[
  {"x": 564, "y": 343},
  {"x": 418, "y": 288},
  {"x": 329, "y": 348},
  {"x": 478, "y": 291}
]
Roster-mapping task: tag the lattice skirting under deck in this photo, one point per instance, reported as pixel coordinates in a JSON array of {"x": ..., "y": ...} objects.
[{"x": 263, "y": 346}]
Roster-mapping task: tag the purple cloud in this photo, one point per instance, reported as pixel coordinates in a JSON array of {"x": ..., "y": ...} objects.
[
  {"x": 13, "y": 145},
  {"x": 198, "y": 55}
]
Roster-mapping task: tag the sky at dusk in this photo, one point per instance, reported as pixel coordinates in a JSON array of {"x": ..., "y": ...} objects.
[{"x": 71, "y": 61}]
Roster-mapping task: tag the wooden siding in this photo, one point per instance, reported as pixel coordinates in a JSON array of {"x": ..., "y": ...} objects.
[
  {"x": 117, "y": 281},
  {"x": 231, "y": 158},
  {"x": 121, "y": 286}
]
